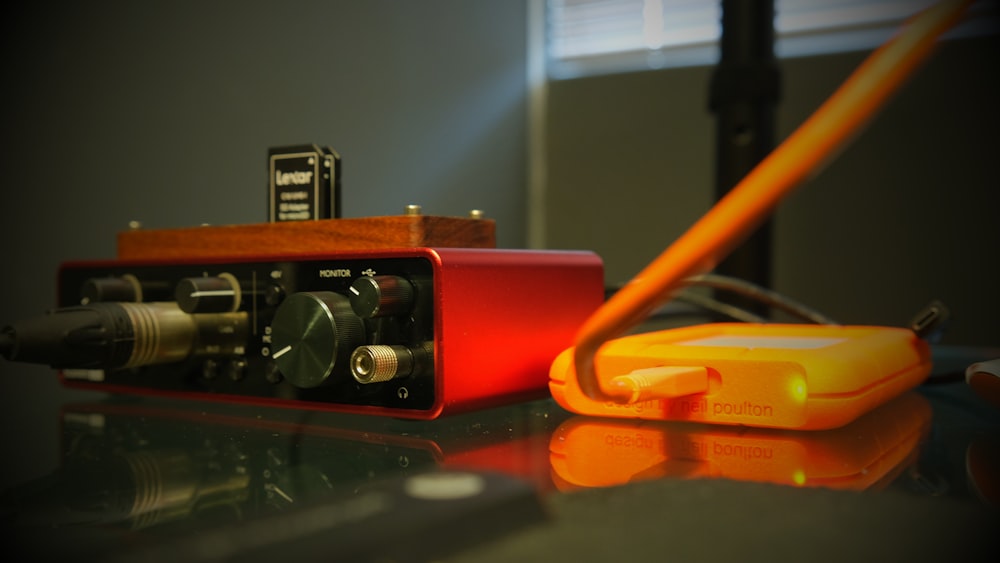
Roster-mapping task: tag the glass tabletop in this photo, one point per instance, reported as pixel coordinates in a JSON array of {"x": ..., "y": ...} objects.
[{"x": 137, "y": 474}]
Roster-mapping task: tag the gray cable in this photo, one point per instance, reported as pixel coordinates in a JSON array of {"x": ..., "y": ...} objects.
[{"x": 758, "y": 293}]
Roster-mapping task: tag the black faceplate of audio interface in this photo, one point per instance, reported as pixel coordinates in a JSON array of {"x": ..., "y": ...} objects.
[{"x": 263, "y": 287}]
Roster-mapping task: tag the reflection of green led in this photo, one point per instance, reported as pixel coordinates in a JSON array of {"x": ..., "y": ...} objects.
[
  {"x": 799, "y": 477},
  {"x": 798, "y": 389}
]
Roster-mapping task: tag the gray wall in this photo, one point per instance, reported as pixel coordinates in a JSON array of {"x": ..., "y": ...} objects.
[
  {"x": 162, "y": 112},
  {"x": 908, "y": 213}
]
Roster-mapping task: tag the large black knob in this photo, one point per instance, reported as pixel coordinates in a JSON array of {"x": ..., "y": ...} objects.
[
  {"x": 381, "y": 296},
  {"x": 313, "y": 335},
  {"x": 220, "y": 294}
]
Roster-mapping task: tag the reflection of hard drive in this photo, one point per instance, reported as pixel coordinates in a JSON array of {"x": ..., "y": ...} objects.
[
  {"x": 866, "y": 454},
  {"x": 303, "y": 183}
]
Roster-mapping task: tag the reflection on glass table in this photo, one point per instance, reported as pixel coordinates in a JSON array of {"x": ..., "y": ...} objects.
[
  {"x": 140, "y": 474},
  {"x": 871, "y": 451}
]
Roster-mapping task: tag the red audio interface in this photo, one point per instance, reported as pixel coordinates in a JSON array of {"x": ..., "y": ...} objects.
[{"x": 409, "y": 333}]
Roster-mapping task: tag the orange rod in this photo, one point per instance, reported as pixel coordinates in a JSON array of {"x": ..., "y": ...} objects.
[{"x": 736, "y": 215}]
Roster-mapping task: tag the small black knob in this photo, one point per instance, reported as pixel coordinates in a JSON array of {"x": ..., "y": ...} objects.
[
  {"x": 220, "y": 294},
  {"x": 274, "y": 294},
  {"x": 381, "y": 296},
  {"x": 103, "y": 290}
]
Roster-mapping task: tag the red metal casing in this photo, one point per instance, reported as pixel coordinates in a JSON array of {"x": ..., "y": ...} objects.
[{"x": 501, "y": 316}]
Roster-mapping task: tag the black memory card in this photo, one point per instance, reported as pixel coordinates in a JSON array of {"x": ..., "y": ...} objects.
[{"x": 303, "y": 183}]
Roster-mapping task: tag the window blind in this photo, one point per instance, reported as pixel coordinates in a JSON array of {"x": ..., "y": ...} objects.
[{"x": 603, "y": 36}]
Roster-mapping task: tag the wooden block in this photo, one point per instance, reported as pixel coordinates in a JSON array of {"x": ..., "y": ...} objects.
[{"x": 306, "y": 237}]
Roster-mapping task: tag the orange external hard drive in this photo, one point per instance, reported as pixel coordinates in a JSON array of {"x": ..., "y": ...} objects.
[{"x": 807, "y": 377}]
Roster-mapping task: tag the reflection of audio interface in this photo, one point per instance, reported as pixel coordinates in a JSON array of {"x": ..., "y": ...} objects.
[
  {"x": 161, "y": 480},
  {"x": 411, "y": 333}
]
